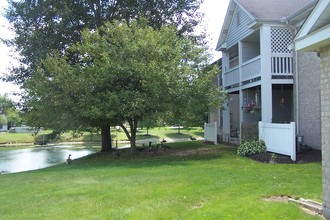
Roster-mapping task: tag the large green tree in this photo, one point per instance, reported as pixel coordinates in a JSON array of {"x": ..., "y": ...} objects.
[
  {"x": 123, "y": 73},
  {"x": 43, "y": 26}
]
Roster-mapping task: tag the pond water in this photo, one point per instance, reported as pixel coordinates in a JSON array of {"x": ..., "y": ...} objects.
[{"x": 16, "y": 159}]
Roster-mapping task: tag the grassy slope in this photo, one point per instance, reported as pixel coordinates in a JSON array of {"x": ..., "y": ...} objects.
[{"x": 178, "y": 184}]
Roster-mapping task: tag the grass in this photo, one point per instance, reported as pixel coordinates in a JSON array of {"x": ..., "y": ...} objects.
[
  {"x": 16, "y": 138},
  {"x": 191, "y": 180},
  {"x": 158, "y": 133}
]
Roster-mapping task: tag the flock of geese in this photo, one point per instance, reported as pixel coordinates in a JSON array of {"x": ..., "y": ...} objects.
[{"x": 116, "y": 152}]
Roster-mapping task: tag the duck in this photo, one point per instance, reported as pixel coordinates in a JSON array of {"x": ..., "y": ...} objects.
[
  {"x": 192, "y": 138},
  {"x": 68, "y": 161},
  {"x": 164, "y": 141}
]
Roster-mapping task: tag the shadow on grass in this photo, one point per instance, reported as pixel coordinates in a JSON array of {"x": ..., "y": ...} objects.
[
  {"x": 178, "y": 154},
  {"x": 176, "y": 135},
  {"x": 145, "y": 137},
  {"x": 199, "y": 133}
]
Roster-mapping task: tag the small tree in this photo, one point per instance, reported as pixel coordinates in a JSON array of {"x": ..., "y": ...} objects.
[
  {"x": 7, "y": 108},
  {"x": 3, "y": 121},
  {"x": 148, "y": 122}
]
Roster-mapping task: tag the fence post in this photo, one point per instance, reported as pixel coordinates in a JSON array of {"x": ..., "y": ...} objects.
[
  {"x": 293, "y": 138},
  {"x": 210, "y": 132},
  {"x": 260, "y": 130}
]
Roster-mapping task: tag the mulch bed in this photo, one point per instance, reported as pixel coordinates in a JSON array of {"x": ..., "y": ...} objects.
[{"x": 305, "y": 156}]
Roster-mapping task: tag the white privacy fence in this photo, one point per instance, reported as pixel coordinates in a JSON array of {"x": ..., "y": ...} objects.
[
  {"x": 210, "y": 132},
  {"x": 279, "y": 138}
]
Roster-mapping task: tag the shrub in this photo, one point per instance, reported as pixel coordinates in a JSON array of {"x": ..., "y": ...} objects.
[{"x": 248, "y": 148}]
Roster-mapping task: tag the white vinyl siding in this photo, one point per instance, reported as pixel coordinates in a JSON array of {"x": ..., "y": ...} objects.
[{"x": 238, "y": 32}]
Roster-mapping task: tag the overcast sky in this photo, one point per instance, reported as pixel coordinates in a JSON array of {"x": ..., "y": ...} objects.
[{"x": 215, "y": 11}]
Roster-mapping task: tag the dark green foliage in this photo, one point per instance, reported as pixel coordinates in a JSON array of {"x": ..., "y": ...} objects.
[
  {"x": 48, "y": 29},
  {"x": 44, "y": 26},
  {"x": 123, "y": 73},
  {"x": 248, "y": 148}
]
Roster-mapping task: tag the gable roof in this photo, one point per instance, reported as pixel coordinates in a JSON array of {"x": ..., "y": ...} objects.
[
  {"x": 264, "y": 11},
  {"x": 315, "y": 32}
]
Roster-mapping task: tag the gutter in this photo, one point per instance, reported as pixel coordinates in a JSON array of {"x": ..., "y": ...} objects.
[
  {"x": 292, "y": 47},
  {"x": 297, "y": 93}
]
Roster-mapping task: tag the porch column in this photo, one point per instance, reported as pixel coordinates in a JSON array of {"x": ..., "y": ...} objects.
[
  {"x": 325, "y": 128},
  {"x": 240, "y": 61},
  {"x": 266, "y": 75},
  {"x": 226, "y": 122},
  {"x": 226, "y": 105}
]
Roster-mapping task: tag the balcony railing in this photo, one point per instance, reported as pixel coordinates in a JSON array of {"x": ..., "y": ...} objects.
[
  {"x": 282, "y": 64},
  {"x": 231, "y": 78},
  {"x": 281, "y": 68},
  {"x": 251, "y": 69}
]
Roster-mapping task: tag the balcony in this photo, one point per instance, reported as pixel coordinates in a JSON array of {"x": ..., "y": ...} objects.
[
  {"x": 251, "y": 69},
  {"x": 231, "y": 78}
]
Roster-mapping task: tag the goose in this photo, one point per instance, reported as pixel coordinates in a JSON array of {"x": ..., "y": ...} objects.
[
  {"x": 164, "y": 147},
  {"x": 153, "y": 150},
  {"x": 68, "y": 161},
  {"x": 115, "y": 152}
]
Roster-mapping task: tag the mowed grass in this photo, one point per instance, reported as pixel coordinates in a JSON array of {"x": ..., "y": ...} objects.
[
  {"x": 154, "y": 133},
  {"x": 191, "y": 180},
  {"x": 15, "y": 138}
]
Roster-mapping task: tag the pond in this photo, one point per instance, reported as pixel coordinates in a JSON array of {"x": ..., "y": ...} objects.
[{"x": 18, "y": 159}]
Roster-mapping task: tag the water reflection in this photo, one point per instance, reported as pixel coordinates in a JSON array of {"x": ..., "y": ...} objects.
[{"x": 18, "y": 159}]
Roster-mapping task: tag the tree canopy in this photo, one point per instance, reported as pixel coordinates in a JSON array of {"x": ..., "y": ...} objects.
[
  {"x": 122, "y": 72},
  {"x": 44, "y": 26},
  {"x": 109, "y": 62}
]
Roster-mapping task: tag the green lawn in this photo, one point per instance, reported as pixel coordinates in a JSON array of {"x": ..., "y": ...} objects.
[
  {"x": 191, "y": 180},
  {"x": 15, "y": 138},
  {"x": 156, "y": 133}
]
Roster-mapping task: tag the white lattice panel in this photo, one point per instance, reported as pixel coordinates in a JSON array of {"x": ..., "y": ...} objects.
[{"x": 281, "y": 38}]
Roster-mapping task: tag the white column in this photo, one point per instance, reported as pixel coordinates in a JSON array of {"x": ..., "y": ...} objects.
[
  {"x": 226, "y": 121},
  {"x": 241, "y": 98},
  {"x": 226, "y": 106},
  {"x": 266, "y": 76}
]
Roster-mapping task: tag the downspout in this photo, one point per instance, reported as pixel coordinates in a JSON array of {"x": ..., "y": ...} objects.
[
  {"x": 296, "y": 79},
  {"x": 297, "y": 93}
]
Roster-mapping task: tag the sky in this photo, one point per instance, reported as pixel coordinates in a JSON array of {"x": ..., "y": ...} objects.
[{"x": 215, "y": 11}]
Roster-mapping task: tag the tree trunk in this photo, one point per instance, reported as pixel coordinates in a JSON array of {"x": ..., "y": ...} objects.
[
  {"x": 106, "y": 139},
  {"x": 133, "y": 123}
]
